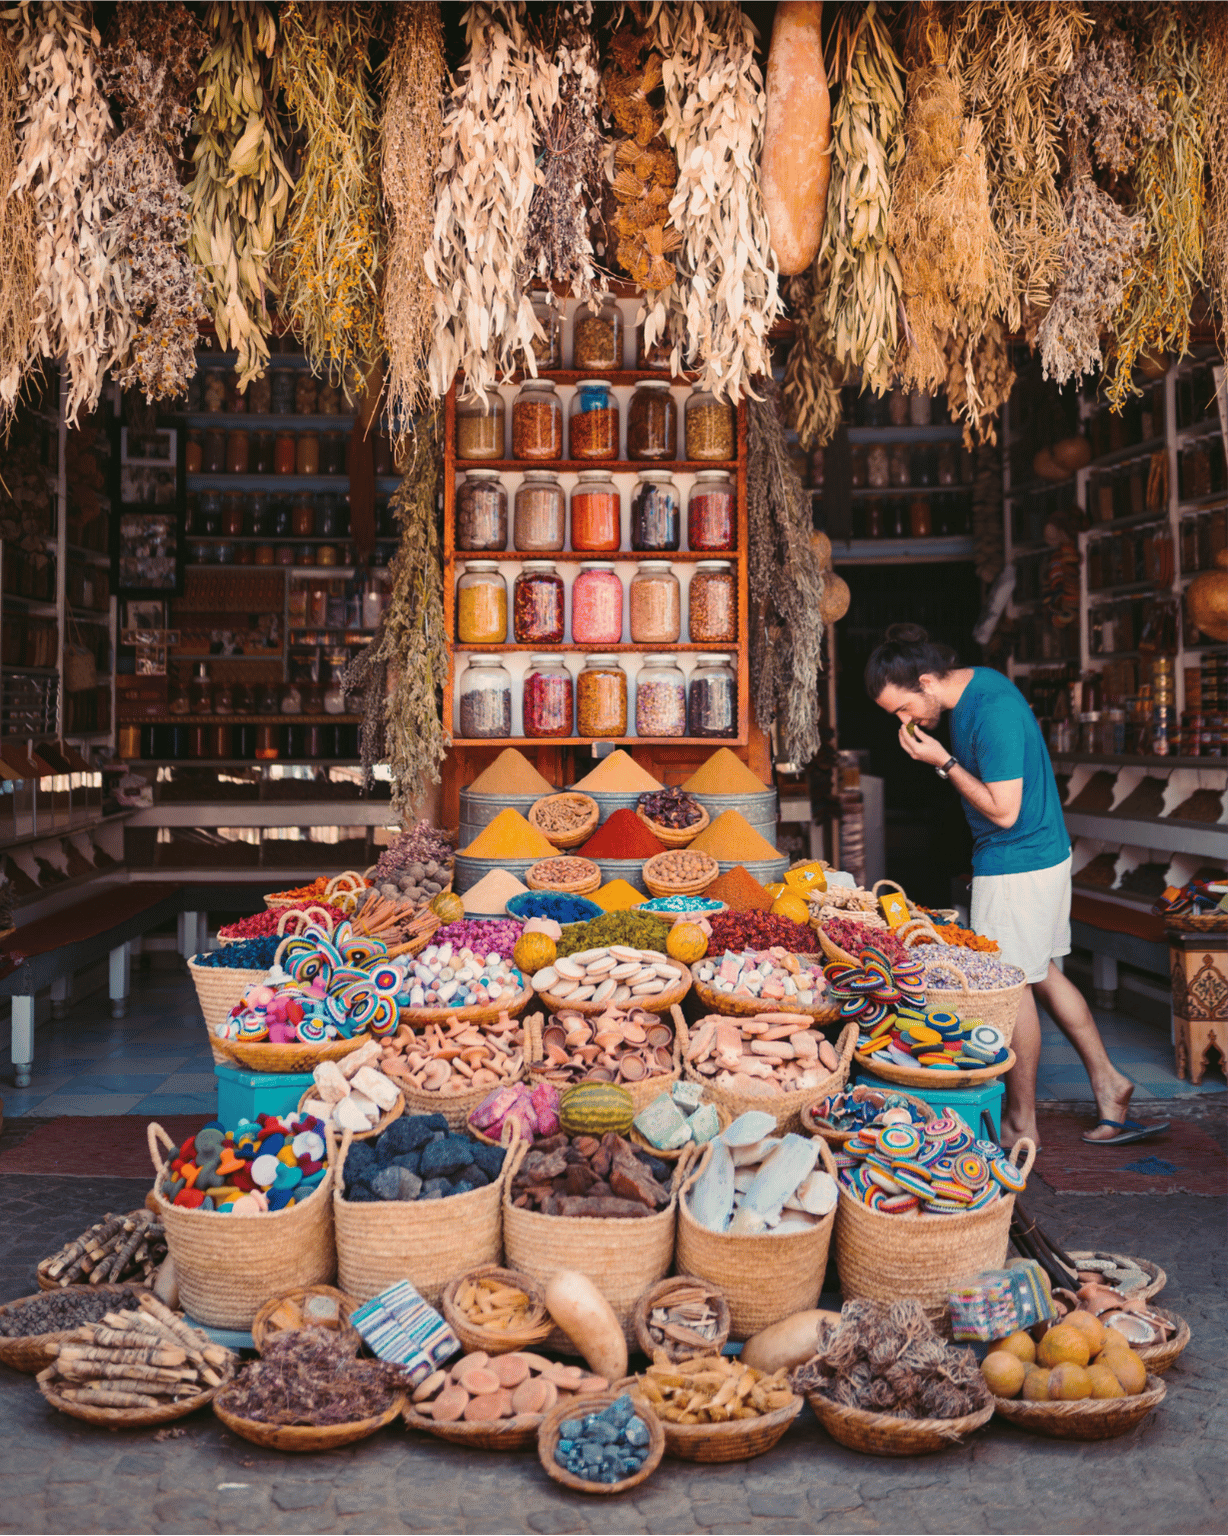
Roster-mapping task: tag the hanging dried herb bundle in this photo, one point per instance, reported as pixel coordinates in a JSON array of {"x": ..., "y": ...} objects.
[
  {"x": 311, "y": 1376},
  {"x": 151, "y": 64},
  {"x": 484, "y": 325},
  {"x": 566, "y": 90},
  {"x": 812, "y": 380},
  {"x": 65, "y": 132},
  {"x": 241, "y": 189},
  {"x": 1009, "y": 56},
  {"x": 1103, "y": 97},
  {"x": 645, "y": 168},
  {"x": 17, "y": 253},
  {"x": 979, "y": 377},
  {"x": 330, "y": 255},
  {"x": 857, "y": 278},
  {"x": 409, "y": 147},
  {"x": 787, "y": 639},
  {"x": 1213, "y": 57},
  {"x": 725, "y": 296},
  {"x": 1169, "y": 190}
]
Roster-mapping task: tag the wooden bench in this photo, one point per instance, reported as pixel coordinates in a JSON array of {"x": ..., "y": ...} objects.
[{"x": 1114, "y": 932}]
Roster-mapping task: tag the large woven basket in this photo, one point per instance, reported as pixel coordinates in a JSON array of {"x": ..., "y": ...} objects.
[
  {"x": 787, "y": 1107},
  {"x": 1089, "y": 1419},
  {"x": 839, "y": 1139},
  {"x": 998, "y": 1006},
  {"x": 548, "y": 1436},
  {"x": 1161, "y": 1357},
  {"x": 455, "y": 1107},
  {"x": 882, "y": 1257},
  {"x": 263, "y": 1331},
  {"x": 642, "y": 1092},
  {"x": 134, "y": 1418},
  {"x": 621, "y": 1256},
  {"x": 265, "y": 1056},
  {"x": 735, "y": 1440},
  {"x": 486, "y": 1013},
  {"x": 746, "y": 1008},
  {"x": 656, "y": 1003},
  {"x": 693, "y": 887},
  {"x": 882, "y": 1434},
  {"x": 228, "y": 1266},
  {"x": 33, "y": 1352},
  {"x": 515, "y": 1434},
  {"x": 764, "y": 1277},
  {"x": 587, "y": 878},
  {"x": 307, "y": 1437},
  {"x": 577, "y": 835},
  {"x": 426, "y": 1242},
  {"x": 493, "y": 1340},
  {"x": 676, "y": 837},
  {"x": 220, "y": 988},
  {"x": 870, "y": 921},
  {"x": 380, "y": 1126},
  {"x": 937, "y": 1079}
]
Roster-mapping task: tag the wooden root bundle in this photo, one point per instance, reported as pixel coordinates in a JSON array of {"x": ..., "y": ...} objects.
[{"x": 116, "y": 1248}]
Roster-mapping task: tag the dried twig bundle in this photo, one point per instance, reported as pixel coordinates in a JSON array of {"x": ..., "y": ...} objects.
[
  {"x": 979, "y": 377},
  {"x": 645, "y": 168},
  {"x": 331, "y": 252},
  {"x": 812, "y": 381},
  {"x": 725, "y": 296},
  {"x": 409, "y": 147},
  {"x": 65, "y": 130},
  {"x": 311, "y": 1376},
  {"x": 1213, "y": 58},
  {"x": 151, "y": 63},
  {"x": 1102, "y": 97},
  {"x": 17, "y": 251},
  {"x": 242, "y": 187},
  {"x": 484, "y": 324}
]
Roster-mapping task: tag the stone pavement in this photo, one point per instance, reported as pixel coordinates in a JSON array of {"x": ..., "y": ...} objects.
[{"x": 1171, "y": 1475}]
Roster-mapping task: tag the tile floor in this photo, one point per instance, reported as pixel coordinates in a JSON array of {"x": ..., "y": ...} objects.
[{"x": 157, "y": 1061}]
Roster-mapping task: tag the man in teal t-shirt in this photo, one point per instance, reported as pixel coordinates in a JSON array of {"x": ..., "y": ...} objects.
[{"x": 1021, "y": 855}]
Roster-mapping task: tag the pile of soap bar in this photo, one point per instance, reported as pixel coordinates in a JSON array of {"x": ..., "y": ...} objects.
[
  {"x": 456, "y": 1057},
  {"x": 532, "y": 1109},
  {"x": 353, "y": 1093},
  {"x": 604, "y": 1447},
  {"x": 419, "y": 1158},
  {"x": 481, "y": 1388},
  {"x": 763, "y": 1057},
  {"x": 444, "y": 977},
  {"x": 262, "y": 1165},
  {"x": 758, "y": 1183},
  {"x": 775, "y": 975},
  {"x": 936, "y": 1168},
  {"x": 675, "y": 1118},
  {"x": 618, "y": 974}
]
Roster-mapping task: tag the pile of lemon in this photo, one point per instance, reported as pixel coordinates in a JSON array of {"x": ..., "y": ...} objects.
[{"x": 1077, "y": 1358}]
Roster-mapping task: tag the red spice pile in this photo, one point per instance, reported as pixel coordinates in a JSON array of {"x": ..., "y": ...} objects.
[
  {"x": 740, "y": 892},
  {"x": 852, "y": 936},
  {"x": 622, "y": 836},
  {"x": 759, "y": 930}
]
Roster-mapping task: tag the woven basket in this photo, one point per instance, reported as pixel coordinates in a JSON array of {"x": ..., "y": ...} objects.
[
  {"x": 882, "y": 1434},
  {"x": 787, "y": 1107},
  {"x": 622, "y": 1257},
  {"x": 998, "y": 1006},
  {"x": 1090, "y": 1419},
  {"x": 839, "y": 1139},
  {"x": 380, "y": 1126},
  {"x": 694, "y": 887},
  {"x": 642, "y": 1092},
  {"x": 882, "y": 1257},
  {"x": 660, "y": 1293},
  {"x": 656, "y": 1002},
  {"x": 1159, "y": 1358},
  {"x": 868, "y": 920},
  {"x": 228, "y": 1266},
  {"x": 1155, "y": 1284},
  {"x": 307, "y": 1437},
  {"x": 493, "y": 1340},
  {"x": 938, "y": 1078},
  {"x": 264, "y": 1056},
  {"x": 724, "y": 1118},
  {"x": 548, "y": 1438},
  {"x": 426, "y": 1242},
  {"x": 676, "y": 837},
  {"x": 32, "y": 1352},
  {"x": 455, "y": 1107},
  {"x": 731, "y": 1007},
  {"x": 263, "y": 1331},
  {"x": 515, "y": 1434},
  {"x": 134, "y": 1418},
  {"x": 577, "y": 836},
  {"x": 220, "y": 988},
  {"x": 1203, "y": 922},
  {"x": 736, "y": 1440},
  {"x": 485, "y": 1013},
  {"x": 764, "y": 1277},
  {"x": 587, "y": 878}
]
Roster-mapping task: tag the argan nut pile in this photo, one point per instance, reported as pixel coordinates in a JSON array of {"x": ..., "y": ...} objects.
[
  {"x": 711, "y": 1389},
  {"x": 485, "y": 1302},
  {"x": 480, "y": 1388},
  {"x": 457, "y": 1057},
  {"x": 771, "y": 1054}
]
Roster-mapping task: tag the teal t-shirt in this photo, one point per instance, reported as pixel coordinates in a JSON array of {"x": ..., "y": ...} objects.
[{"x": 995, "y": 736}]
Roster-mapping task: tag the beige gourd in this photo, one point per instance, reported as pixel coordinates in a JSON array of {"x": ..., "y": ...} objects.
[
  {"x": 589, "y": 1321},
  {"x": 788, "y": 1343},
  {"x": 795, "y": 166}
]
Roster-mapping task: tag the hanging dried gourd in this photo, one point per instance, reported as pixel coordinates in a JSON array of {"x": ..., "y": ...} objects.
[
  {"x": 241, "y": 188},
  {"x": 484, "y": 324},
  {"x": 409, "y": 147},
  {"x": 1213, "y": 58},
  {"x": 329, "y": 257},
  {"x": 17, "y": 254},
  {"x": 645, "y": 167},
  {"x": 795, "y": 167},
  {"x": 725, "y": 296},
  {"x": 151, "y": 64},
  {"x": 65, "y": 132}
]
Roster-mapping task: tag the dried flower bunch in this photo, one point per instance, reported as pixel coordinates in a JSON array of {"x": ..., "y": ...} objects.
[
  {"x": 1103, "y": 96},
  {"x": 151, "y": 64},
  {"x": 311, "y": 1376},
  {"x": 65, "y": 132},
  {"x": 645, "y": 168},
  {"x": 812, "y": 382},
  {"x": 17, "y": 252},
  {"x": 242, "y": 188},
  {"x": 487, "y": 174},
  {"x": 979, "y": 377},
  {"x": 409, "y": 147},
  {"x": 332, "y": 248},
  {"x": 566, "y": 91},
  {"x": 1213, "y": 59}
]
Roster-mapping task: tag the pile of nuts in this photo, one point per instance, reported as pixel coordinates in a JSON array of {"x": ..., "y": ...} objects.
[
  {"x": 455, "y": 1058},
  {"x": 616, "y": 975},
  {"x": 769, "y": 1055},
  {"x": 682, "y": 868},
  {"x": 481, "y": 1389},
  {"x": 566, "y": 873},
  {"x": 613, "y": 1047}
]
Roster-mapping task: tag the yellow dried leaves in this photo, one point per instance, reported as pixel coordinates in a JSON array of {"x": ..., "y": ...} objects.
[{"x": 16, "y": 243}]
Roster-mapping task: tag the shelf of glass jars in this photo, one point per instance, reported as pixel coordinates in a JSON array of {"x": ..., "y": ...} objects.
[
  {"x": 940, "y": 433},
  {"x": 589, "y": 556},
  {"x": 289, "y": 422},
  {"x": 869, "y": 551},
  {"x": 612, "y": 466},
  {"x": 597, "y": 741},
  {"x": 224, "y": 482},
  {"x": 250, "y": 720},
  {"x": 578, "y": 648},
  {"x": 616, "y": 376}
]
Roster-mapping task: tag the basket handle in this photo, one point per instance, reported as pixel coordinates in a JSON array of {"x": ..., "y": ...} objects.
[
  {"x": 533, "y": 1053},
  {"x": 894, "y": 884},
  {"x": 299, "y": 916},
  {"x": 336, "y": 1158},
  {"x": 699, "y": 1163},
  {"x": 915, "y": 929},
  {"x": 847, "y": 1043},
  {"x": 682, "y": 1037},
  {"x": 951, "y": 969},
  {"x": 1029, "y": 1154},
  {"x": 517, "y": 1152},
  {"x": 155, "y": 1135}
]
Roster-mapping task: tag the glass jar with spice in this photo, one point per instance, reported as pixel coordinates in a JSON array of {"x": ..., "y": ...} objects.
[
  {"x": 712, "y": 604},
  {"x": 213, "y": 395},
  {"x": 214, "y": 456},
  {"x": 281, "y": 391},
  {"x": 479, "y": 427},
  {"x": 656, "y": 521},
  {"x": 548, "y": 701},
  {"x": 538, "y": 604},
  {"x": 262, "y": 457},
  {"x": 303, "y": 516},
  {"x": 712, "y": 703},
  {"x": 481, "y": 511},
  {"x": 329, "y": 400},
  {"x": 285, "y": 458},
  {"x": 597, "y": 337},
  {"x": 537, "y": 421},
  {"x": 920, "y": 519},
  {"x": 877, "y": 472},
  {"x": 232, "y": 514},
  {"x": 594, "y": 421},
  {"x": 548, "y": 347},
  {"x": 660, "y": 698},
  {"x": 306, "y": 393},
  {"x": 485, "y": 700},
  {"x": 481, "y": 604},
  {"x": 897, "y": 462},
  {"x": 601, "y": 697},
  {"x": 711, "y": 510},
  {"x": 652, "y": 422},
  {"x": 597, "y": 605},
  {"x": 920, "y": 408},
  {"x": 332, "y": 453},
  {"x": 327, "y": 515},
  {"x": 307, "y": 453},
  {"x": 539, "y": 519},
  {"x": 596, "y": 512},
  {"x": 656, "y": 604},
  {"x": 656, "y": 356},
  {"x": 194, "y": 453},
  {"x": 711, "y": 429},
  {"x": 260, "y": 395}
]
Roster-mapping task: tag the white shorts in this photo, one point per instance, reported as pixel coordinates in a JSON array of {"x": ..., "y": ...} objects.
[{"x": 1028, "y": 914}]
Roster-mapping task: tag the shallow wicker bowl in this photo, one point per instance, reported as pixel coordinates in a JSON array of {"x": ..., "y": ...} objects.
[
  {"x": 1159, "y": 1358},
  {"x": 586, "y": 878},
  {"x": 737, "y": 1440},
  {"x": 515, "y": 1434},
  {"x": 882, "y": 1434},
  {"x": 492, "y": 1340},
  {"x": 1157, "y": 1282},
  {"x": 933, "y": 1077},
  {"x": 134, "y": 1418},
  {"x": 263, "y": 1056},
  {"x": 514, "y": 906},
  {"x": 263, "y": 1331},
  {"x": 1090, "y": 1419},
  {"x": 842, "y": 1138},
  {"x": 577, "y": 835},
  {"x": 655, "y": 1295},
  {"x": 656, "y": 1003},
  {"x": 676, "y": 837},
  {"x": 548, "y": 1439},
  {"x": 307, "y": 1437},
  {"x": 380, "y": 1126},
  {"x": 746, "y": 1008},
  {"x": 31, "y": 1352},
  {"x": 658, "y": 886},
  {"x": 485, "y": 1013}
]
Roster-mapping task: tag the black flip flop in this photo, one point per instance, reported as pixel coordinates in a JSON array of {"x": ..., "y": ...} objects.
[{"x": 1131, "y": 1130}]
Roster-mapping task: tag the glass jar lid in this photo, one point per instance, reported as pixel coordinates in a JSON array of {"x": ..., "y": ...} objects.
[
  {"x": 713, "y": 565},
  {"x": 535, "y": 474},
  {"x": 589, "y": 474},
  {"x": 713, "y": 661},
  {"x": 661, "y": 475},
  {"x": 654, "y": 384},
  {"x": 703, "y": 474},
  {"x": 592, "y": 384},
  {"x": 481, "y": 474},
  {"x": 657, "y": 661},
  {"x": 486, "y": 661},
  {"x": 597, "y": 565},
  {"x": 481, "y": 565},
  {"x": 601, "y": 661},
  {"x": 538, "y": 384},
  {"x": 655, "y": 566},
  {"x": 537, "y": 565},
  {"x": 552, "y": 662}
]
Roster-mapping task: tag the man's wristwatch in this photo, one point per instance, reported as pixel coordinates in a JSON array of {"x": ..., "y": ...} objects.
[{"x": 945, "y": 771}]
